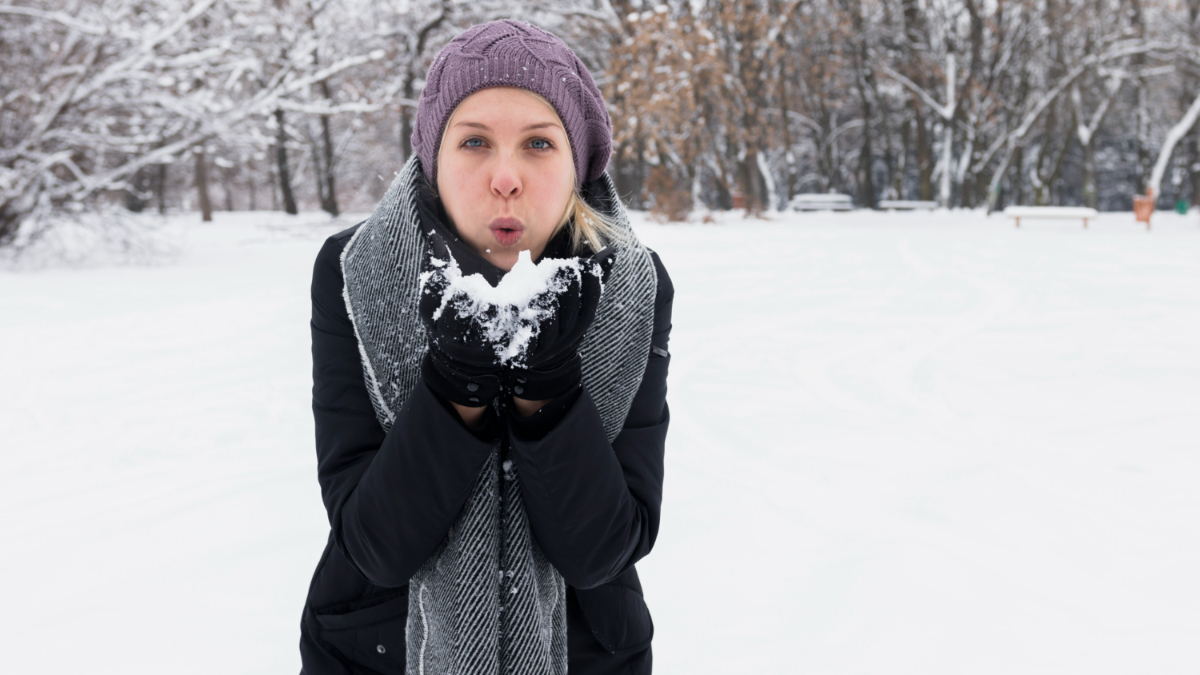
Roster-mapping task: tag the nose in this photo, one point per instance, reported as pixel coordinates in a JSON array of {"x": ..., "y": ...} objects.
[{"x": 506, "y": 179}]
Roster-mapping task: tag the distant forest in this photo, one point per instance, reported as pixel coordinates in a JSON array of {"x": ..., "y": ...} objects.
[{"x": 306, "y": 104}]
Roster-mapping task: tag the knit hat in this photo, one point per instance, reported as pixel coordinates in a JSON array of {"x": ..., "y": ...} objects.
[{"x": 510, "y": 53}]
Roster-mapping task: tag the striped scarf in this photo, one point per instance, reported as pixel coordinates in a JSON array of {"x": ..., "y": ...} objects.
[{"x": 487, "y": 602}]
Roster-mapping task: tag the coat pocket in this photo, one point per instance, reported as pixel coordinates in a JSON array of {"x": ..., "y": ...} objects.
[
  {"x": 368, "y": 633},
  {"x": 617, "y": 616}
]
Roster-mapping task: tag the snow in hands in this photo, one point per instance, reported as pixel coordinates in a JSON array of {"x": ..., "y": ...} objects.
[{"x": 510, "y": 314}]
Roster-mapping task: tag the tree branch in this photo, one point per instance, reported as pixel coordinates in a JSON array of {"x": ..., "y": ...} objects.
[{"x": 57, "y": 17}]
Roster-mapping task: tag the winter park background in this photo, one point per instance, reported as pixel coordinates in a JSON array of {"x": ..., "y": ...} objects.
[{"x": 901, "y": 442}]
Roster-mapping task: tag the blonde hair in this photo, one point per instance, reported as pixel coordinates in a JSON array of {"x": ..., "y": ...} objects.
[{"x": 587, "y": 224}]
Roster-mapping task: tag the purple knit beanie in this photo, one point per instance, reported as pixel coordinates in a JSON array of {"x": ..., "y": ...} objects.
[{"x": 509, "y": 53}]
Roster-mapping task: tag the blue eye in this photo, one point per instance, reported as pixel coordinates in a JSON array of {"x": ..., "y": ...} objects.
[
  {"x": 470, "y": 142},
  {"x": 547, "y": 143}
]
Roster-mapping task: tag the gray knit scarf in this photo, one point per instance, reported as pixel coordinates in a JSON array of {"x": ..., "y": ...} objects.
[{"x": 487, "y": 602}]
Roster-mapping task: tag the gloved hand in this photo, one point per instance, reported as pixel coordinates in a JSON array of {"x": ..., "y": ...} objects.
[
  {"x": 460, "y": 365},
  {"x": 552, "y": 364}
]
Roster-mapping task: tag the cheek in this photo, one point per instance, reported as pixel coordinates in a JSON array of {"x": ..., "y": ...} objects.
[
  {"x": 553, "y": 190},
  {"x": 464, "y": 203},
  {"x": 461, "y": 190}
]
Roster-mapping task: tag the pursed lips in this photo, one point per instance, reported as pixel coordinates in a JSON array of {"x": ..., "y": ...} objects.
[{"x": 506, "y": 230}]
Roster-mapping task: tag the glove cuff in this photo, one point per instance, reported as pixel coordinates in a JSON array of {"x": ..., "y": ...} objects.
[
  {"x": 540, "y": 385},
  {"x": 455, "y": 385}
]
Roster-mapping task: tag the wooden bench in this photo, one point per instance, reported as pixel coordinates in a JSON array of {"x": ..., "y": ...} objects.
[
  {"x": 1051, "y": 212},
  {"x": 817, "y": 201},
  {"x": 906, "y": 205}
]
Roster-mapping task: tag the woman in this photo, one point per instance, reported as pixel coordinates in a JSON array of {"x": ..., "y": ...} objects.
[{"x": 487, "y": 506}]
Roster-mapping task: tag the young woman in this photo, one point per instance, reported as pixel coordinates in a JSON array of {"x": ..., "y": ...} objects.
[{"x": 488, "y": 500}]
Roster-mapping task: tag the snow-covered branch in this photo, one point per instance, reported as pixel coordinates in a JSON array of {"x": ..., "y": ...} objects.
[
  {"x": 1175, "y": 135},
  {"x": 945, "y": 111},
  {"x": 319, "y": 108},
  {"x": 58, "y": 17}
]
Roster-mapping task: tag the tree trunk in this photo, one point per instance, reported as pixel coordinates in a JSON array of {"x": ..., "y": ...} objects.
[
  {"x": 160, "y": 188},
  {"x": 948, "y": 134},
  {"x": 135, "y": 194},
  {"x": 889, "y": 155},
  {"x": 322, "y": 157},
  {"x": 900, "y": 177},
  {"x": 1056, "y": 170},
  {"x": 1142, "y": 136},
  {"x": 638, "y": 194},
  {"x": 1041, "y": 195},
  {"x": 787, "y": 134},
  {"x": 723, "y": 198},
  {"x": 1019, "y": 177},
  {"x": 866, "y": 171},
  {"x": 202, "y": 187},
  {"x": 227, "y": 188},
  {"x": 406, "y": 119},
  {"x": 1089, "y": 173},
  {"x": 966, "y": 192},
  {"x": 618, "y": 168},
  {"x": 273, "y": 183},
  {"x": 826, "y": 142},
  {"x": 748, "y": 180},
  {"x": 1141, "y": 111},
  {"x": 1194, "y": 165},
  {"x": 252, "y": 185},
  {"x": 10, "y": 222},
  {"x": 405, "y": 133},
  {"x": 1194, "y": 169},
  {"x": 866, "y": 156},
  {"x": 327, "y": 186},
  {"x": 770, "y": 192},
  {"x": 916, "y": 33},
  {"x": 924, "y": 153},
  {"x": 281, "y": 163}
]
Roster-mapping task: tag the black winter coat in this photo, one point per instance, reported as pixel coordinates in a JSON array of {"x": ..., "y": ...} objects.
[{"x": 391, "y": 497}]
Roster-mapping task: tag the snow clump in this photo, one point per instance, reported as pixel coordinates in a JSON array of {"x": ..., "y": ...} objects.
[{"x": 509, "y": 314}]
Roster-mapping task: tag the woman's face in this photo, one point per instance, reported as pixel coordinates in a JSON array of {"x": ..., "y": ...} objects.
[{"x": 505, "y": 173}]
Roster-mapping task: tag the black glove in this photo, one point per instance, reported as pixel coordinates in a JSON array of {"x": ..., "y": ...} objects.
[
  {"x": 460, "y": 366},
  {"x": 552, "y": 365}
]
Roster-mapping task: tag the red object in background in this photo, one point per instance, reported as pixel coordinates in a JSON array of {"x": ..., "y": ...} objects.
[{"x": 1143, "y": 207}]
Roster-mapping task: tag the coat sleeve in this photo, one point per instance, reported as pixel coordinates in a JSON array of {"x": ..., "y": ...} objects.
[
  {"x": 391, "y": 497},
  {"x": 593, "y": 505}
]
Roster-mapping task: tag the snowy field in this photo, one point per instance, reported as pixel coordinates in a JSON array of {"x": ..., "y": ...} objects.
[{"x": 928, "y": 444}]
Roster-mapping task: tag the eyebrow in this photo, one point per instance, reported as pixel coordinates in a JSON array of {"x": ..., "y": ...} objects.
[{"x": 478, "y": 125}]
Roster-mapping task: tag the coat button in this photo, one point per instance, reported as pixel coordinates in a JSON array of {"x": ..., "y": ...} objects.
[
  {"x": 473, "y": 399},
  {"x": 521, "y": 380},
  {"x": 471, "y": 386},
  {"x": 380, "y": 648},
  {"x": 518, "y": 390}
]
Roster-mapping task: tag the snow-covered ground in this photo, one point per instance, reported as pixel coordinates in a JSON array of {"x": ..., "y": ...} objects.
[{"x": 900, "y": 443}]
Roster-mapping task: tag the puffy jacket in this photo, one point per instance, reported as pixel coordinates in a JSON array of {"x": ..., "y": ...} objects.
[{"x": 593, "y": 506}]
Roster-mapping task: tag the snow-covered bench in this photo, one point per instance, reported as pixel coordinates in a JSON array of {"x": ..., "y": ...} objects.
[
  {"x": 817, "y": 201},
  {"x": 1051, "y": 212},
  {"x": 906, "y": 205}
]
